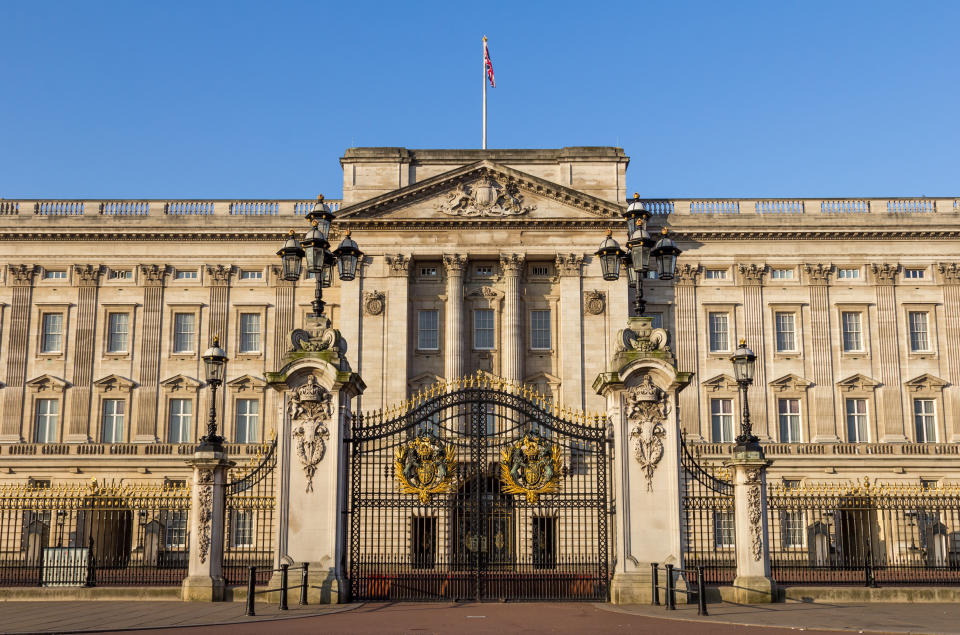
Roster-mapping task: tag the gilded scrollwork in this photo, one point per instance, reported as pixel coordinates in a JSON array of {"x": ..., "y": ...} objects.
[
  {"x": 532, "y": 467},
  {"x": 425, "y": 466}
]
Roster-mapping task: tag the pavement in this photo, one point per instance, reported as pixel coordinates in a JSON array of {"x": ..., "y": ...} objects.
[{"x": 466, "y": 618}]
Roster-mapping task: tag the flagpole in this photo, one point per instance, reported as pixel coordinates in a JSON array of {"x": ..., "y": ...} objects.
[{"x": 483, "y": 61}]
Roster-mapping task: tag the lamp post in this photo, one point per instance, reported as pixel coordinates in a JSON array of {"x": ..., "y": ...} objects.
[
  {"x": 641, "y": 247},
  {"x": 744, "y": 361},
  {"x": 215, "y": 365},
  {"x": 320, "y": 260}
]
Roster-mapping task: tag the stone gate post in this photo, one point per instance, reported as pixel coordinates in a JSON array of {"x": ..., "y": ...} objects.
[
  {"x": 204, "y": 582},
  {"x": 641, "y": 390},
  {"x": 753, "y": 584}
]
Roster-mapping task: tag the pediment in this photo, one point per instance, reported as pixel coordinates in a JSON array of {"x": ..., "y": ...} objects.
[
  {"x": 47, "y": 383},
  {"x": 179, "y": 383},
  {"x": 720, "y": 383},
  {"x": 423, "y": 381},
  {"x": 925, "y": 383},
  {"x": 247, "y": 382},
  {"x": 790, "y": 383},
  {"x": 858, "y": 383},
  {"x": 114, "y": 383},
  {"x": 484, "y": 191}
]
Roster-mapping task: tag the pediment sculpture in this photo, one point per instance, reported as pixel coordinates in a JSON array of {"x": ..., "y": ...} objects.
[
  {"x": 310, "y": 409},
  {"x": 484, "y": 197},
  {"x": 647, "y": 409},
  {"x": 320, "y": 337}
]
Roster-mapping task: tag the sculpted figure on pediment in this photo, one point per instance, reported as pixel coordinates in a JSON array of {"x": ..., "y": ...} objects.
[{"x": 484, "y": 197}]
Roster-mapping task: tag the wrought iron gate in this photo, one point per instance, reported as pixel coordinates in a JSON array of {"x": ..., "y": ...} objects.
[
  {"x": 250, "y": 501},
  {"x": 709, "y": 530},
  {"x": 478, "y": 490}
]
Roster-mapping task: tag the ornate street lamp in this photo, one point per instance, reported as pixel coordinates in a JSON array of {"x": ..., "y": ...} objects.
[
  {"x": 641, "y": 247},
  {"x": 215, "y": 366},
  {"x": 744, "y": 362},
  {"x": 320, "y": 260}
]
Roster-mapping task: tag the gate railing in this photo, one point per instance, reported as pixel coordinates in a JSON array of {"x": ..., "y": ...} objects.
[
  {"x": 709, "y": 529},
  {"x": 249, "y": 528}
]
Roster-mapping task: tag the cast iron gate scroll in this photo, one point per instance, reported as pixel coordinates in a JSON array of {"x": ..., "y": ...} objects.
[{"x": 478, "y": 490}]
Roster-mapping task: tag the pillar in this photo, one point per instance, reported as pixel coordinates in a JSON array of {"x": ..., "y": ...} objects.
[
  {"x": 204, "y": 581},
  {"x": 513, "y": 347},
  {"x": 397, "y": 325},
  {"x": 87, "y": 277},
  {"x": 824, "y": 424},
  {"x": 753, "y": 584},
  {"x": 686, "y": 347},
  {"x": 570, "y": 339},
  {"x": 21, "y": 278},
  {"x": 890, "y": 423},
  {"x": 950, "y": 279},
  {"x": 753, "y": 309},
  {"x": 453, "y": 364},
  {"x": 152, "y": 279}
]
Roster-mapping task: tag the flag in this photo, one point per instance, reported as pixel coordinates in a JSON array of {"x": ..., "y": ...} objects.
[{"x": 488, "y": 64}]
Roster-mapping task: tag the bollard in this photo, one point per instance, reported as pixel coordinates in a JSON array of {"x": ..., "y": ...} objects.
[
  {"x": 701, "y": 592},
  {"x": 284, "y": 569},
  {"x": 671, "y": 598},
  {"x": 303, "y": 583},
  {"x": 251, "y": 589},
  {"x": 91, "y": 564},
  {"x": 654, "y": 588}
]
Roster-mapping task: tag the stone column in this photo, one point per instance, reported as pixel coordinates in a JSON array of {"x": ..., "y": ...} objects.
[
  {"x": 569, "y": 344},
  {"x": 513, "y": 340},
  {"x": 152, "y": 279},
  {"x": 204, "y": 582},
  {"x": 218, "y": 278},
  {"x": 21, "y": 278},
  {"x": 87, "y": 277},
  {"x": 890, "y": 423},
  {"x": 397, "y": 329},
  {"x": 753, "y": 584},
  {"x": 950, "y": 279},
  {"x": 824, "y": 424},
  {"x": 753, "y": 310},
  {"x": 285, "y": 312},
  {"x": 453, "y": 357},
  {"x": 685, "y": 343}
]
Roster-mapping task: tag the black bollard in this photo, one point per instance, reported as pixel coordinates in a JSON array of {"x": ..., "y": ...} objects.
[
  {"x": 701, "y": 592},
  {"x": 671, "y": 599},
  {"x": 91, "y": 564},
  {"x": 655, "y": 584},
  {"x": 284, "y": 569},
  {"x": 304, "y": 583},
  {"x": 251, "y": 589}
]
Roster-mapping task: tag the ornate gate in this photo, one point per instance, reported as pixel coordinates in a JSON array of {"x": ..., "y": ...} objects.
[{"x": 478, "y": 490}]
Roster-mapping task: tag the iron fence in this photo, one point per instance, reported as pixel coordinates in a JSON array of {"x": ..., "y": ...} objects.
[
  {"x": 94, "y": 534},
  {"x": 249, "y": 525},
  {"x": 709, "y": 528}
]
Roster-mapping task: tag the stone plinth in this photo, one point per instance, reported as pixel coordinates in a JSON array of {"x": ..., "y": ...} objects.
[{"x": 204, "y": 582}]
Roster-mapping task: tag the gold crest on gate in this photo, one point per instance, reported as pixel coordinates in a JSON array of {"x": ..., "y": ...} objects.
[
  {"x": 425, "y": 466},
  {"x": 531, "y": 467}
]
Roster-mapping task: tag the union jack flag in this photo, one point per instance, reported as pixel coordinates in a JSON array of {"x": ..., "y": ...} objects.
[{"x": 488, "y": 64}]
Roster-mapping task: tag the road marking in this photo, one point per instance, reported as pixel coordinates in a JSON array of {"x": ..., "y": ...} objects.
[{"x": 480, "y": 616}]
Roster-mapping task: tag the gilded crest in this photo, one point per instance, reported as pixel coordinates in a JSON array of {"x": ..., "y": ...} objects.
[
  {"x": 531, "y": 467},
  {"x": 425, "y": 466}
]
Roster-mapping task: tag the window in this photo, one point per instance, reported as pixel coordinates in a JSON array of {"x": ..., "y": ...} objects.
[
  {"x": 490, "y": 420},
  {"x": 918, "y": 331},
  {"x": 721, "y": 417},
  {"x": 180, "y": 423},
  {"x": 924, "y": 416},
  {"x": 51, "y": 340},
  {"x": 848, "y": 274},
  {"x": 544, "y": 542},
  {"x": 483, "y": 329},
  {"x": 423, "y": 542},
  {"x": 484, "y": 271},
  {"x": 428, "y": 272},
  {"x": 650, "y": 274},
  {"x": 852, "y": 331},
  {"x": 719, "y": 341},
  {"x": 539, "y": 270},
  {"x": 857, "y": 421},
  {"x": 184, "y": 332},
  {"x": 175, "y": 523},
  {"x": 715, "y": 274},
  {"x": 184, "y": 274},
  {"x": 54, "y": 275},
  {"x": 120, "y": 274},
  {"x": 789, "y": 411},
  {"x": 250, "y": 274},
  {"x": 792, "y": 528},
  {"x": 428, "y": 330},
  {"x": 913, "y": 274},
  {"x": 48, "y": 411},
  {"x": 118, "y": 330},
  {"x": 786, "y": 332},
  {"x": 241, "y": 527},
  {"x": 111, "y": 426},
  {"x": 782, "y": 274},
  {"x": 249, "y": 333},
  {"x": 657, "y": 322},
  {"x": 248, "y": 421},
  {"x": 724, "y": 536},
  {"x": 540, "y": 330},
  {"x": 580, "y": 457}
]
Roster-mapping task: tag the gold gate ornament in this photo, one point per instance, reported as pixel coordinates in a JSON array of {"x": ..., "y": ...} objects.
[
  {"x": 425, "y": 466},
  {"x": 531, "y": 467}
]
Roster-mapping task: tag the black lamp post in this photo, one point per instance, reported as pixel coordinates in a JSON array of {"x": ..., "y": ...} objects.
[
  {"x": 316, "y": 249},
  {"x": 215, "y": 366},
  {"x": 641, "y": 247},
  {"x": 744, "y": 362}
]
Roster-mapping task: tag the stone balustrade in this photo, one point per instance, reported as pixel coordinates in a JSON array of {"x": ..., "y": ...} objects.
[
  {"x": 183, "y": 207},
  {"x": 788, "y": 206},
  {"x": 832, "y": 449},
  {"x": 120, "y": 449}
]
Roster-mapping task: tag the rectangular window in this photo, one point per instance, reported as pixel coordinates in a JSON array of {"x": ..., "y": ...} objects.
[
  {"x": 184, "y": 332},
  {"x": 111, "y": 426},
  {"x": 580, "y": 457},
  {"x": 792, "y": 529},
  {"x": 118, "y": 331},
  {"x": 241, "y": 527},
  {"x": 483, "y": 329},
  {"x": 724, "y": 536},
  {"x": 789, "y": 411},
  {"x": 925, "y": 418},
  {"x": 423, "y": 542},
  {"x": 250, "y": 274},
  {"x": 540, "y": 330},
  {"x": 490, "y": 420},
  {"x": 484, "y": 271},
  {"x": 120, "y": 274},
  {"x": 428, "y": 272},
  {"x": 186, "y": 274},
  {"x": 249, "y": 333},
  {"x": 848, "y": 274},
  {"x": 719, "y": 341},
  {"x": 539, "y": 270},
  {"x": 913, "y": 274},
  {"x": 180, "y": 423},
  {"x": 51, "y": 340},
  {"x": 715, "y": 274},
  {"x": 721, "y": 417},
  {"x": 175, "y": 525},
  {"x": 850, "y": 323},
  {"x": 544, "y": 542},
  {"x": 248, "y": 420},
  {"x": 918, "y": 331},
  {"x": 54, "y": 275},
  {"x": 782, "y": 274},
  {"x": 48, "y": 412},
  {"x": 786, "y": 332},
  {"x": 857, "y": 421},
  {"x": 428, "y": 330}
]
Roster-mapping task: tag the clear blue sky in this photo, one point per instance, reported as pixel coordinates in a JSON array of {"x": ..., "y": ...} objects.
[{"x": 243, "y": 99}]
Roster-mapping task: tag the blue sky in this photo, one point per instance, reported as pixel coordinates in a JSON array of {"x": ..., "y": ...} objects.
[{"x": 259, "y": 99}]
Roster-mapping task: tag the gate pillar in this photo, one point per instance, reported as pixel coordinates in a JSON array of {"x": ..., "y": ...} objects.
[
  {"x": 316, "y": 387},
  {"x": 641, "y": 390},
  {"x": 753, "y": 584},
  {"x": 204, "y": 581}
]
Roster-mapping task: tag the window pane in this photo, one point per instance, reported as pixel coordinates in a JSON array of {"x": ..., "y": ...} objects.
[
  {"x": 48, "y": 411},
  {"x": 857, "y": 420},
  {"x": 181, "y": 420},
  {"x": 248, "y": 421},
  {"x": 925, "y": 420},
  {"x": 483, "y": 329},
  {"x": 786, "y": 340},
  {"x": 118, "y": 325},
  {"x": 52, "y": 333},
  {"x": 851, "y": 331},
  {"x": 918, "y": 331},
  {"x": 789, "y": 415},
  {"x": 112, "y": 424},
  {"x": 721, "y": 416},
  {"x": 718, "y": 331},
  {"x": 249, "y": 332},
  {"x": 540, "y": 329},
  {"x": 428, "y": 325},
  {"x": 723, "y": 529},
  {"x": 183, "y": 332}
]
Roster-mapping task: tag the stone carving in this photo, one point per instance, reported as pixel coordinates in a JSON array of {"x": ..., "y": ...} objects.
[
  {"x": 857, "y": 383},
  {"x": 321, "y": 337},
  {"x": 753, "y": 481},
  {"x": 152, "y": 275},
  {"x": 511, "y": 264},
  {"x": 647, "y": 409},
  {"x": 454, "y": 263},
  {"x": 644, "y": 338},
  {"x": 790, "y": 383},
  {"x": 569, "y": 264},
  {"x": 532, "y": 467},
  {"x": 885, "y": 273},
  {"x": 483, "y": 292},
  {"x": 218, "y": 275},
  {"x": 87, "y": 275},
  {"x": 205, "y": 501},
  {"x": 818, "y": 273},
  {"x": 21, "y": 275},
  {"x": 925, "y": 383},
  {"x": 950, "y": 272},
  {"x": 310, "y": 409},
  {"x": 399, "y": 265},
  {"x": 594, "y": 302},
  {"x": 425, "y": 466},
  {"x": 686, "y": 274},
  {"x": 752, "y": 274},
  {"x": 484, "y": 197},
  {"x": 374, "y": 302}
]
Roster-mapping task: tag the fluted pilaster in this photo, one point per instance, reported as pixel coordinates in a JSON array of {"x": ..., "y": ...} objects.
[
  {"x": 513, "y": 349},
  {"x": 21, "y": 278},
  {"x": 686, "y": 346},
  {"x": 824, "y": 426},
  {"x": 152, "y": 277},
  {"x": 453, "y": 364},
  {"x": 891, "y": 422},
  {"x": 753, "y": 278},
  {"x": 78, "y": 425},
  {"x": 950, "y": 278}
]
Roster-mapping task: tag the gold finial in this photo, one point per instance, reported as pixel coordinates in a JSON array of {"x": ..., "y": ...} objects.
[
  {"x": 664, "y": 231},
  {"x": 636, "y": 195},
  {"x": 216, "y": 342},
  {"x": 319, "y": 198},
  {"x": 291, "y": 233},
  {"x": 743, "y": 341},
  {"x": 348, "y": 232},
  {"x": 315, "y": 223},
  {"x": 609, "y": 233}
]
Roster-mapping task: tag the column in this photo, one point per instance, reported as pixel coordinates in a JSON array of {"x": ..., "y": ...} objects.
[
  {"x": 890, "y": 422},
  {"x": 753, "y": 584},
  {"x": 397, "y": 335},
  {"x": 752, "y": 277},
  {"x": 453, "y": 364},
  {"x": 204, "y": 581},
  {"x": 285, "y": 311},
  {"x": 685, "y": 343},
  {"x": 218, "y": 278},
  {"x": 824, "y": 424},
  {"x": 152, "y": 279},
  {"x": 950, "y": 279},
  {"x": 513, "y": 347},
  {"x": 87, "y": 277},
  {"x": 21, "y": 278},
  {"x": 570, "y": 340}
]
